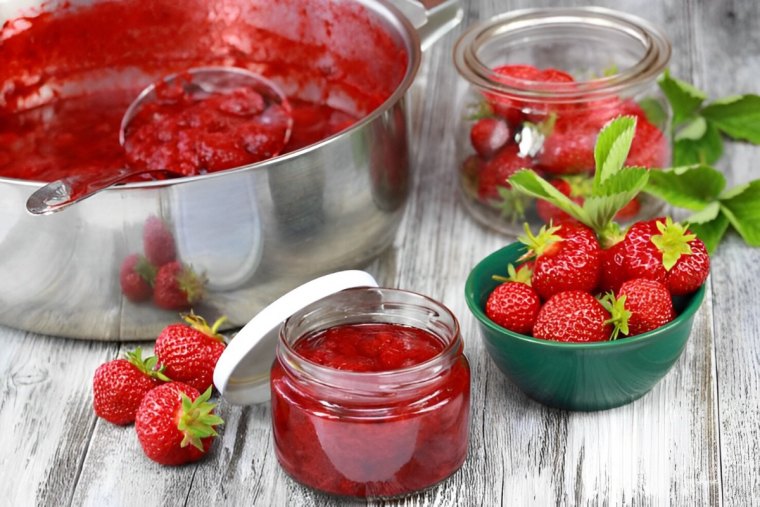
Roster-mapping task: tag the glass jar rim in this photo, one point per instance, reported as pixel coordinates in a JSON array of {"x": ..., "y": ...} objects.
[
  {"x": 395, "y": 381},
  {"x": 648, "y": 67}
]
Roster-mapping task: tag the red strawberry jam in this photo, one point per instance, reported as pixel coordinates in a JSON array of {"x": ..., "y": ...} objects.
[
  {"x": 369, "y": 347},
  {"x": 371, "y": 408},
  {"x": 69, "y": 71}
]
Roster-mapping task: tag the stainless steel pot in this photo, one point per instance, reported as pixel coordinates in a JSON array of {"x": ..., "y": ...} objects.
[{"x": 255, "y": 231}]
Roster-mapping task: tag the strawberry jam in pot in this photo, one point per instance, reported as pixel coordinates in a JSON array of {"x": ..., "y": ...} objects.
[
  {"x": 371, "y": 394},
  {"x": 542, "y": 84}
]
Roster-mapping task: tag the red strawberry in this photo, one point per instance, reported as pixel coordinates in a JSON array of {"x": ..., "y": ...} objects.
[
  {"x": 628, "y": 211},
  {"x": 647, "y": 306},
  {"x": 665, "y": 251},
  {"x": 119, "y": 386},
  {"x": 175, "y": 424},
  {"x": 525, "y": 77},
  {"x": 487, "y": 135},
  {"x": 496, "y": 171},
  {"x": 612, "y": 272},
  {"x": 568, "y": 257},
  {"x": 177, "y": 286},
  {"x": 514, "y": 304},
  {"x": 158, "y": 242},
  {"x": 573, "y": 316},
  {"x": 136, "y": 277},
  {"x": 569, "y": 148},
  {"x": 650, "y": 147},
  {"x": 550, "y": 213},
  {"x": 189, "y": 352}
]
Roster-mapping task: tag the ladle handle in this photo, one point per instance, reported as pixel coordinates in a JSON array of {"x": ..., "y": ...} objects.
[
  {"x": 432, "y": 18},
  {"x": 60, "y": 194}
]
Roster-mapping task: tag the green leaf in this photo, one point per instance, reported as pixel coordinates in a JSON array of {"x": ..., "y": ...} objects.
[
  {"x": 613, "y": 194},
  {"x": 530, "y": 183},
  {"x": 738, "y": 117},
  {"x": 684, "y": 98},
  {"x": 711, "y": 232},
  {"x": 743, "y": 211},
  {"x": 612, "y": 148},
  {"x": 690, "y": 187},
  {"x": 706, "y": 214},
  {"x": 694, "y": 130},
  {"x": 705, "y": 150},
  {"x": 654, "y": 111}
]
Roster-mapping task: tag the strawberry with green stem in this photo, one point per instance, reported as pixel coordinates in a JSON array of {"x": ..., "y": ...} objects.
[
  {"x": 641, "y": 305},
  {"x": 175, "y": 424},
  {"x": 667, "y": 252},
  {"x": 514, "y": 304},
  {"x": 189, "y": 351},
  {"x": 119, "y": 386},
  {"x": 567, "y": 257},
  {"x": 137, "y": 277},
  {"x": 177, "y": 286}
]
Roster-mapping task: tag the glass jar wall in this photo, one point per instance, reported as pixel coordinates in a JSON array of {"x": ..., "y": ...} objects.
[
  {"x": 382, "y": 414},
  {"x": 541, "y": 85}
]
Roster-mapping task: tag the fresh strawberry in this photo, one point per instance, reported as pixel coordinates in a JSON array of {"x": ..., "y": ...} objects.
[
  {"x": 665, "y": 251},
  {"x": 569, "y": 148},
  {"x": 119, "y": 386},
  {"x": 641, "y": 305},
  {"x": 568, "y": 257},
  {"x": 650, "y": 147},
  {"x": 175, "y": 424},
  {"x": 158, "y": 242},
  {"x": 525, "y": 77},
  {"x": 496, "y": 171},
  {"x": 136, "y": 277},
  {"x": 629, "y": 211},
  {"x": 514, "y": 304},
  {"x": 177, "y": 286},
  {"x": 612, "y": 272},
  {"x": 573, "y": 316},
  {"x": 189, "y": 353},
  {"x": 487, "y": 135},
  {"x": 548, "y": 212}
]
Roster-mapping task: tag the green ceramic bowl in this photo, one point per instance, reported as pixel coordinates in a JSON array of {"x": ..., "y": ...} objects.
[{"x": 577, "y": 376}]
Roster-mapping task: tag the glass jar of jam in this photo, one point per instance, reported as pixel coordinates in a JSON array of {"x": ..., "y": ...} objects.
[
  {"x": 370, "y": 394},
  {"x": 542, "y": 84}
]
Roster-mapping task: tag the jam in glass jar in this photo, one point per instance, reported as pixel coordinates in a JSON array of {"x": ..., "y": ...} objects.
[
  {"x": 370, "y": 394},
  {"x": 541, "y": 85}
]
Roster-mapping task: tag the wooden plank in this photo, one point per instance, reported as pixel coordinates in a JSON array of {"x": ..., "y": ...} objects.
[{"x": 45, "y": 414}]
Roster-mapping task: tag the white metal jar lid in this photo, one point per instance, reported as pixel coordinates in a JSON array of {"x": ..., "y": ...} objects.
[{"x": 242, "y": 372}]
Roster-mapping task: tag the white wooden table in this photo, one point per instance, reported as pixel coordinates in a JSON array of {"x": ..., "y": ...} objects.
[{"x": 693, "y": 440}]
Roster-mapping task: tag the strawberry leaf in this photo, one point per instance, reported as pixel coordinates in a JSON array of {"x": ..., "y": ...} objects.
[
  {"x": 612, "y": 195},
  {"x": 530, "y": 183},
  {"x": 654, "y": 111},
  {"x": 612, "y": 147},
  {"x": 742, "y": 208},
  {"x": 737, "y": 117},
  {"x": 703, "y": 150},
  {"x": 711, "y": 231},
  {"x": 684, "y": 98},
  {"x": 690, "y": 187}
]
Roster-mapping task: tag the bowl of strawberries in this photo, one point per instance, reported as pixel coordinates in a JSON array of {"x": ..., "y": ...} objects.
[{"x": 583, "y": 314}]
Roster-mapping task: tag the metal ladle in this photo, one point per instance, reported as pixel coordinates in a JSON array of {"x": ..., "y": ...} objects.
[{"x": 197, "y": 83}]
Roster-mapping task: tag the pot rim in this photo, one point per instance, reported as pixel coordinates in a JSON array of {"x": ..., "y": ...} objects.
[{"x": 396, "y": 21}]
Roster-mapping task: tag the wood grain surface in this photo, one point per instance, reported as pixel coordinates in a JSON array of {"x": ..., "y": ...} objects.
[{"x": 693, "y": 440}]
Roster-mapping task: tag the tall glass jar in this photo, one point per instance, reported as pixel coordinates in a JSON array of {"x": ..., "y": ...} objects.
[
  {"x": 371, "y": 433},
  {"x": 542, "y": 83}
]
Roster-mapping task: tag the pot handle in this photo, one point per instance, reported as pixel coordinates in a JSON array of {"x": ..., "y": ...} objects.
[{"x": 433, "y": 19}]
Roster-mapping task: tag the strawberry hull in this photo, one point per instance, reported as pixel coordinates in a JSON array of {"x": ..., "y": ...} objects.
[{"x": 578, "y": 376}]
